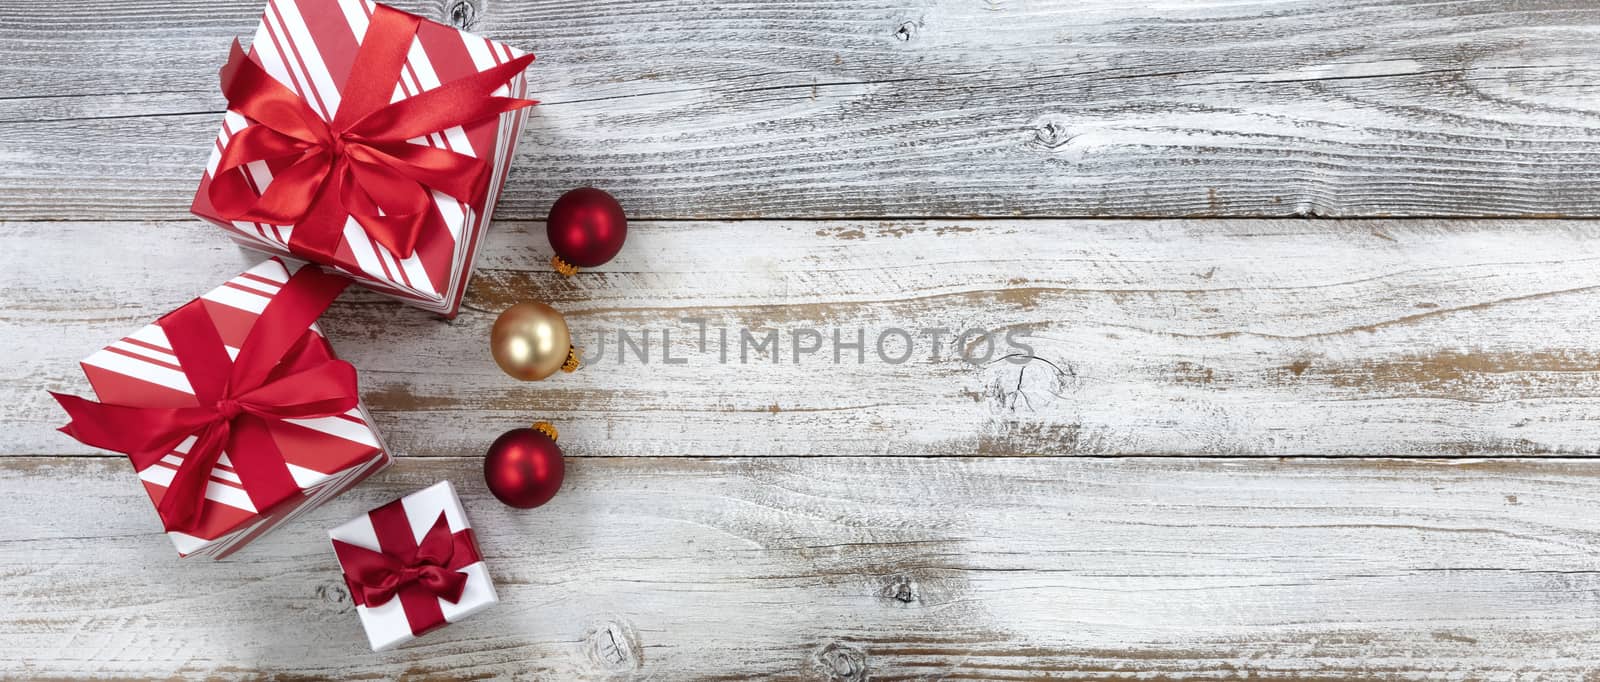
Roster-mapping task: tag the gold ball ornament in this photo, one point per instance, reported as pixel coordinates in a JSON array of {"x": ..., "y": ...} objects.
[{"x": 530, "y": 341}]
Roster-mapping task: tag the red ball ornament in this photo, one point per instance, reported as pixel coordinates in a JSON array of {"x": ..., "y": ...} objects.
[
  {"x": 524, "y": 467},
  {"x": 586, "y": 228}
]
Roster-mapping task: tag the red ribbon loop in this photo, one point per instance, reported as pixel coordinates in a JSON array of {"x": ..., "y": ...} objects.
[
  {"x": 359, "y": 165},
  {"x": 431, "y": 568},
  {"x": 274, "y": 378},
  {"x": 419, "y": 574}
]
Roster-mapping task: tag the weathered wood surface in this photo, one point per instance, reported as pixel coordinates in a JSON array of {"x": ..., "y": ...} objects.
[
  {"x": 893, "y": 568},
  {"x": 870, "y": 109},
  {"x": 1262, "y": 337},
  {"x": 814, "y": 166}
]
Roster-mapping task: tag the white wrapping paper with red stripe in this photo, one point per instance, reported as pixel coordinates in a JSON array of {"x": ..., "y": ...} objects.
[
  {"x": 389, "y": 624},
  {"x": 325, "y": 456},
  {"x": 309, "y": 46}
]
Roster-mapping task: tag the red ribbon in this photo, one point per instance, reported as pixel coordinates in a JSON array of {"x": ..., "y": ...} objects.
[
  {"x": 359, "y": 165},
  {"x": 420, "y": 574},
  {"x": 276, "y": 376}
]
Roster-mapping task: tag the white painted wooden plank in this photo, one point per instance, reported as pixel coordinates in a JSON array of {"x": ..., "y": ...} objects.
[
  {"x": 904, "y": 568},
  {"x": 1264, "y": 338},
  {"x": 926, "y": 108}
]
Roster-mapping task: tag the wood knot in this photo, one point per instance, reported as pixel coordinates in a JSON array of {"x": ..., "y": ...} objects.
[
  {"x": 840, "y": 663},
  {"x": 335, "y": 595},
  {"x": 906, "y": 31},
  {"x": 1028, "y": 383},
  {"x": 1305, "y": 208},
  {"x": 613, "y": 647},
  {"x": 1052, "y": 134},
  {"x": 461, "y": 14},
  {"x": 901, "y": 591}
]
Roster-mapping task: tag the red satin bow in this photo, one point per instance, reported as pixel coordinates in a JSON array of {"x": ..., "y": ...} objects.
[
  {"x": 430, "y": 569},
  {"x": 276, "y": 376},
  {"x": 360, "y": 164}
]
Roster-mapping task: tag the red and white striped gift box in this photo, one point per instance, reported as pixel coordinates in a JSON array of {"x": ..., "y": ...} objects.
[
  {"x": 309, "y": 47},
  {"x": 325, "y": 456}
]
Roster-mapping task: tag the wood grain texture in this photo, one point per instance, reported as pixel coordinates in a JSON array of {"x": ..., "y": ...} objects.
[
  {"x": 870, "y": 166},
  {"x": 1217, "y": 338},
  {"x": 841, "y": 569},
  {"x": 870, "y": 109}
]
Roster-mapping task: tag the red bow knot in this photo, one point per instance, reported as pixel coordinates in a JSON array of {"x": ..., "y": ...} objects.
[
  {"x": 379, "y": 576},
  {"x": 275, "y": 377},
  {"x": 228, "y": 408},
  {"x": 360, "y": 164},
  {"x": 436, "y": 579}
]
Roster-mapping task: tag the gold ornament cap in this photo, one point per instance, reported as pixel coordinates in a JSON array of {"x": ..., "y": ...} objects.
[
  {"x": 563, "y": 267},
  {"x": 547, "y": 429},
  {"x": 571, "y": 365}
]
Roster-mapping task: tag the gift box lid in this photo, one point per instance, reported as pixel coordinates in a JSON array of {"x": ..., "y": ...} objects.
[
  {"x": 310, "y": 47},
  {"x": 141, "y": 370}
]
